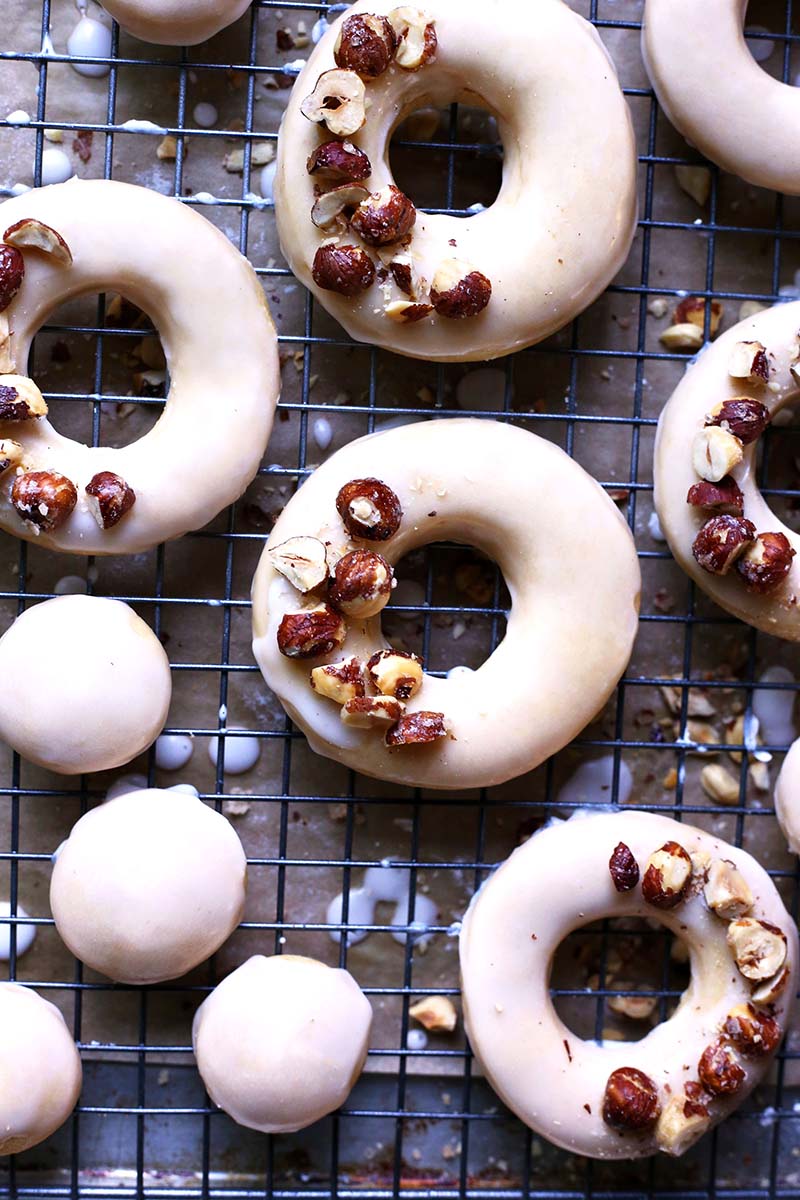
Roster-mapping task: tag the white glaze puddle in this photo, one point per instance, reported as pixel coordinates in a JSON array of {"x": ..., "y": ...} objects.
[{"x": 384, "y": 885}]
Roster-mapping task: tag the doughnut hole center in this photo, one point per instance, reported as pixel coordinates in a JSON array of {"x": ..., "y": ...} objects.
[
  {"x": 615, "y": 980},
  {"x": 778, "y": 461},
  {"x": 436, "y": 176},
  {"x": 765, "y": 29},
  {"x": 103, "y": 357}
]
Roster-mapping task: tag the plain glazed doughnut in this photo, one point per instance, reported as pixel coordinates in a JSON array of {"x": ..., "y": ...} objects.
[
  {"x": 628, "y": 1099},
  {"x": 40, "y": 1068},
  {"x": 91, "y": 684},
  {"x": 517, "y": 498},
  {"x": 175, "y": 22},
  {"x": 281, "y": 1041},
  {"x": 221, "y": 351},
  {"x": 148, "y": 885},
  {"x": 719, "y": 527},
  {"x": 787, "y": 797},
  {"x": 715, "y": 93},
  {"x": 560, "y": 228}
]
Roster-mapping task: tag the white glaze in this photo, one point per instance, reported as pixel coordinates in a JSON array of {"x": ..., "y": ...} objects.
[
  {"x": 205, "y": 115},
  {"x": 240, "y": 755},
  {"x": 25, "y": 933},
  {"x": 787, "y": 797},
  {"x": 56, "y": 168},
  {"x": 173, "y": 751},
  {"x": 774, "y": 708},
  {"x": 90, "y": 39},
  {"x": 175, "y": 22}
]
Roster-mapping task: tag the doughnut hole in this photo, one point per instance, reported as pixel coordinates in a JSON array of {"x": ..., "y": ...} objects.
[
  {"x": 100, "y": 345},
  {"x": 777, "y": 459},
  {"x": 597, "y": 967},
  {"x": 765, "y": 29},
  {"x": 422, "y": 168}
]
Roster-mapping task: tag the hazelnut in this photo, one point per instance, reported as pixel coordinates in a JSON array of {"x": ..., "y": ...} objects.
[
  {"x": 12, "y": 273},
  {"x": 722, "y": 497},
  {"x": 401, "y": 269},
  {"x": 748, "y": 360},
  {"x": 623, "y": 868},
  {"x": 692, "y": 311},
  {"x": 714, "y": 452},
  {"x": 719, "y": 1070},
  {"x": 330, "y": 210},
  {"x": 311, "y": 632},
  {"x": 369, "y": 509},
  {"x": 758, "y": 947},
  {"x": 459, "y": 291},
  {"x": 110, "y": 498},
  {"x": 340, "y": 681},
  {"x": 746, "y": 419},
  {"x": 366, "y": 45},
  {"x": 416, "y": 37},
  {"x": 347, "y": 270},
  {"x": 20, "y": 399},
  {"x": 396, "y": 673},
  {"x": 338, "y": 101},
  {"x": 666, "y": 876},
  {"x": 417, "y": 729},
  {"x": 10, "y": 454},
  {"x": 767, "y": 562},
  {"x": 30, "y": 234},
  {"x": 769, "y": 991},
  {"x": 384, "y": 217},
  {"x": 302, "y": 560},
  {"x": 721, "y": 541},
  {"x": 681, "y": 337},
  {"x": 435, "y": 1013},
  {"x": 635, "y": 1008},
  {"x": 44, "y": 498},
  {"x": 362, "y": 584},
  {"x": 406, "y": 312},
  {"x": 631, "y": 1100},
  {"x": 726, "y": 890},
  {"x": 683, "y": 1120},
  {"x": 754, "y": 1034},
  {"x": 372, "y": 712},
  {"x": 341, "y": 161}
]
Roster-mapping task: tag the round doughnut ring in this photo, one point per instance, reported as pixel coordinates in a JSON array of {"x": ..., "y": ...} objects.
[
  {"x": 718, "y": 525},
  {"x": 517, "y": 498},
  {"x": 560, "y": 228},
  {"x": 737, "y": 115},
  {"x": 787, "y": 797},
  {"x": 221, "y": 351},
  {"x": 175, "y": 22},
  {"x": 620, "y": 1099}
]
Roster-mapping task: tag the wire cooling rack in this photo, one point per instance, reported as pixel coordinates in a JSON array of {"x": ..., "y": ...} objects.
[{"x": 421, "y": 1120}]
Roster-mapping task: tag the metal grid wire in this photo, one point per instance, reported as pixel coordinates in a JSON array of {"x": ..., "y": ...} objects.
[{"x": 483, "y": 1132}]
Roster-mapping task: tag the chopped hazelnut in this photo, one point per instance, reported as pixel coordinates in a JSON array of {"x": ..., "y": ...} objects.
[
  {"x": 340, "y": 161},
  {"x": 754, "y": 1034},
  {"x": 369, "y": 509},
  {"x": 635, "y": 1008},
  {"x": 758, "y": 947},
  {"x": 748, "y": 360},
  {"x": 692, "y": 310},
  {"x": 406, "y": 312},
  {"x": 623, "y": 868},
  {"x": 719, "y": 1071},
  {"x": 666, "y": 876},
  {"x": 20, "y": 399},
  {"x": 372, "y": 712},
  {"x": 401, "y": 269},
  {"x": 362, "y": 584},
  {"x": 695, "y": 181},
  {"x": 435, "y": 1013},
  {"x": 459, "y": 291},
  {"x": 681, "y": 337},
  {"x": 302, "y": 560},
  {"x": 726, "y": 891},
  {"x": 12, "y": 273},
  {"x": 631, "y": 1100},
  {"x": 769, "y": 991},
  {"x": 338, "y": 101},
  {"x": 722, "y": 497},
  {"x": 766, "y": 563},
  {"x": 32, "y": 234},
  {"x": 396, "y": 673},
  {"x": 384, "y": 217},
  {"x": 110, "y": 498},
  {"x": 366, "y": 44},
  {"x": 347, "y": 270},
  {"x": 330, "y": 209},
  {"x": 416, "y": 37},
  {"x": 311, "y": 633},
  {"x": 681, "y": 1123},
  {"x": 10, "y": 454},
  {"x": 719, "y": 785},
  {"x": 45, "y": 498},
  {"x": 714, "y": 452},
  {"x": 417, "y": 729},
  {"x": 340, "y": 681},
  {"x": 746, "y": 419},
  {"x": 721, "y": 541}
]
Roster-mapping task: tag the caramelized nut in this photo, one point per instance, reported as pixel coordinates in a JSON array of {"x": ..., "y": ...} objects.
[
  {"x": 714, "y": 452},
  {"x": 436, "y": 1013},
  {"x": 31, "y": 234},
  {"x": 406, "y": 312},
  {"x": 623, "y": 868},
  {"x": 767, "y": 562},
  {"x": 384, "y": 217},
  {"x": 302, "y": 560},
  {"x": 722, "y": 497},
  {"x": 416, "y": 37},
  {"x": 330, "y": 208},
  {"x": 726, "y": 891},
  {"x": 347, "y": 270},
  {"x": 754, "y": 1034},
  {"x": 692, "y": 311},
  {"x": 45, "y": 498},
  {"x": 758, "y": 947},
  {"x": 369, "y": 509},
  {"x": 748, "y": 360},
  {"x": 721, "y": 541},
  {"x": 372, "y": 712},
  {"x": 396, "y": 673},
  {"x": 311, "y": 632},
  {"x": 719, "y": 1071},
  {"x": 12, "y": 273},
  {"x": 631, "y": 1100},
  {"x": 366, "y": 45},
  {"x": 338, "y": 101},
  {"x": 746, "y": 419},
  {"x": 340, "y": 681},
  {"x": 341, "y": 161},
  {"x": 417, "y": 729},
  {"x": 10, "y": 454},
  {"x": 459, "y": 291},
  {"x": 362, "y": 584},
  {"x": 20, "y": 399},
  {"x": 666, "y": 876},
  {"x": 110, "y": 498}
]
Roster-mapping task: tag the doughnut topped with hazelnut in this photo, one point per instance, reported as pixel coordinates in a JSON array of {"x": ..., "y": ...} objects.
[
  {"x": 611, "y": 1099},
  {"x": 719, "y": 526},
  {"x": 433, "y": 285},
  {"x": 327, "y": 572}
]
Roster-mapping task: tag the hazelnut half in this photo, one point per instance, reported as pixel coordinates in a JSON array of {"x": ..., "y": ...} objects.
[
  {"x": 726, "y": 890},
  {"x": 302, "y": 560},
  {"x": 406, "y": 312},
  {"x": 32, "y": 234},
  {"x": 714, "y": 452},
  {"x": 311, "y": 632},
  {"x": 362, "y": 584},
  {"x": 630, "y": 1101},
  {"x": 769, "y": 991},
  {"x": 758, "y": 947},
  {"x": 20, "y": 399},
  {"x": 766, "y": 563},
  {"x": 369, "y": 509},
  {"x": 338, "y": 101},
  {"x": 416, "y": 37},
  {"x": 721, "y": 541},
  {"x": 384, "y": 217},
  {"x": 12, "y": 273},
  {"x": 396, "y": 673},
  {"x": 347, "y": 270},
  {"x": 748, "y": 360},
  {"x": 45, "y": 498},
  {"x": 719, "y": 1070},
  {"x": 330, "y": 208},
  {"x": 372, "y": 712},
  {"x": 683, "y": 1120},
  {"x": 417, "y": 729},
  {"x": 340, "y": 681},
  {"x": 754, "y": 1034},
  {"x": 723, "y": 497},
  {"x": 366, "y": 44},
  {"x": 459, "y": 291},
  {"x": 623, "y": 868},
  {"x": 110, "y": 498},
  {"x": 341, "y": 161},
  {"x": 746, "y": 419},
  {"x": 666, "y": 876}
]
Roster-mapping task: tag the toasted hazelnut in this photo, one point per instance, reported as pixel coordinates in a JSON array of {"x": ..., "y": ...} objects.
[
  {"x": 681, "y": 337},
  {"x": 722, "y": 497},
  {"x": 302, "y": 560},
  {"x": 623, "y": 868},
  {"x": 635, "y": 1008},
  {"x": 721, "y": 541},
  {"x": 401, "y": 269},
  {"x": 416, "y": 37},
  {"x": 758, "y": 947},
  {"x": 347, "y": 270},
  {"x": 726, "y": 891},
  {"x": 110, "y": 498},
  {"x": 754, "y": 1034},
  {"x": 666, "y": 876},
  {"x": 311, "y": 632},
  {"x": 338, "y": 101},
  {"x": 459, "y": 291},
  {"x": 340, "y": 681},
  {"x": 406, "y": 312},
  {"x": 748, "y": 360},
  {"x": 681, "y": 1123},
  {"x": 714, "y": 452},
  {"x": 769, "y": 991},
  {"x": 362, "y": 584},
  {"x": 384, "y": 217},
  {"x": 746, "y": 419},
  {"x": 372, "y": 712},
  {"x": 20, "y": 399},
  {"x": 366, "y": 45},
  {"x": 630, "y": 1100},
  {"x": 10, "y": 454},
  {"x": 330, "y": 208},
  {"x": 45, "y": 498},
  {"x": 719, "y": 1071},
  {"x": 417, "y": 729},
  {"x": 369, "y": 509},
  {"x": 341, "y": 161},
  {"x": 396, "y": 673},
  {"x": 12, "y": 273},
  {"x": 766, "y": 563},
  {"x": 719, "y": 785},
  {"x": 436, "y": 1013},
  {"x": 31, "y": 234},
  {"x": 692, "y": 311}
]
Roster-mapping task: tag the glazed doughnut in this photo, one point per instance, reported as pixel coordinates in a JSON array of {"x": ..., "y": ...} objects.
[
  {"x": 281, "y": 1041},
  {"x": 221, "y": 351},
  {"x": 92, "y": 684},
  {"x": 40, "y": 1066},
  {"x": 560, "y": 228},
  {"x": 628, "y": 1099},
  {"x": 787, "y": 797},
  {"x": 175, "y": 22},
  {"x": 715, "y": 93},
  {"x": 517, "y": 498},
  {"x": 719, "y": 527}
]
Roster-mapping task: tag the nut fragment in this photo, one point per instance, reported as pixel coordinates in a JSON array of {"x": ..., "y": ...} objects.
[
  {"x": 681, "y": 1123},
  {"x": 769, "y": 991},
  {"x": 722, "y": 497},
  {"x": 340, "y": 161},
  {"x": 767, "y": 562},
  {"x": 330, "y": 209},
  {"x": 719, "y": 785},
  {"x": 302, "y": 560},
  {"x": 754, "y": 1034},
  {"x": 692, "y": 311},
  {"x": 719, "y": 1070},
  {"x": 347, "y": 270},
  {"x": 758, "y": 947},
  {"x": 635, "y": 1008},
  {"x": 748, "y": 360},
  {"x": 714, "y": 452},
  {"x": 45, "y": 498},
  {"x": 10, "y": 454},
  {"x": 366, "y": 45},
  {"x": 681, "y": 337},
  {"x": 369, "y": 509},
  {"x": 726, "y": 891},
  {"x": 12, "y": 273},
  {"x": 721, "y": 541},
  {"x": 416, "y": 37},
  {"x": 396, "y": 673},
  {"x": 110, "y": 498},
  {"x": 745, "y": 418},
  {"x": 417, "y": 729},
  {"x": 436, "y": 1013},
  {"x": 372, "y": 712},
  {"x": 261, "y": 153},
  {"x": 406, "y": 312},
  {"x": 401, "y": 269},
  {"x": 623, "y": 868},
  {"x": 338, "y": 101},
  {"x": 311, "y": 632},
  {"x": 340, "y": 681},
  {"x": 695, "y": 181},
  {"x": 666, "y": 876},
  {"x": 20, "y": 399},
  {"x": 630, "y": 1100},
  {"x": 362, "y": 584},
  {"x": 459, "y": 291},
  {"x": 31, "y": 234},
  {"x": 384, "y": 217}
]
